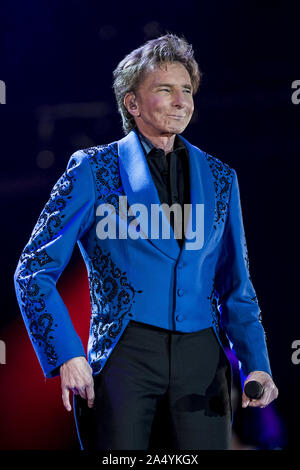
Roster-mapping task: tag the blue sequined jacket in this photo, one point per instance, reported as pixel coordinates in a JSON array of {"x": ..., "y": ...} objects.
[{"x": 146, "y": 279}]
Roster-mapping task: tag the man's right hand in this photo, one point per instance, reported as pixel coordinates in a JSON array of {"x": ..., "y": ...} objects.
[{"x": 76, "y": 376}]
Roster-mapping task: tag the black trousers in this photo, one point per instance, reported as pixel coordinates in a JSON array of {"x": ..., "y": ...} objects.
[{"x": 159, "y": 389}]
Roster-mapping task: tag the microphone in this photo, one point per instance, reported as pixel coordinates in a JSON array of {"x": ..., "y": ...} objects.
[{"x": 254, "y": 390}]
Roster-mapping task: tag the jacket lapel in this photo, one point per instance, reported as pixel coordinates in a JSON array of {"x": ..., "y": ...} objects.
[
  {"x": 202, "y": 192},
  {"x": 140, "y": 188}
]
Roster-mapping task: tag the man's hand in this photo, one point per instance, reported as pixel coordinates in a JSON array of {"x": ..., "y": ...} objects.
[
  {"x": 270, "y": 390},
  {"x": 76, "y": 376}
]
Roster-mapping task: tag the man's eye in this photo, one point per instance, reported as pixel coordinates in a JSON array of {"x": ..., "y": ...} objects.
[
  {"x": 188, "y": 91},
  {"x": 164, "y": 89}
]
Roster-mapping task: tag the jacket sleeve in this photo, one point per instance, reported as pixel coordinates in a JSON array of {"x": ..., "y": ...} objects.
[
  {"x": 64, "y": 219},
  {"x": 240, "y": 314}
]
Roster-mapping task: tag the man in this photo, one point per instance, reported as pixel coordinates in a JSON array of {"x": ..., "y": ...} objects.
[{"x": 160, "y": 305}]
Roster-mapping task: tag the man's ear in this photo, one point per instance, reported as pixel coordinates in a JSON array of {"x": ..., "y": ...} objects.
[{"x": 130, "y": 103}]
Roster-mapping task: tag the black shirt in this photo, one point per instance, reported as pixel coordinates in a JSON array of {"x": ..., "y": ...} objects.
[{"x": 170, "y": 174}]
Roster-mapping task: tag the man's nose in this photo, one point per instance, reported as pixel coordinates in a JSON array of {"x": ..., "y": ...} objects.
[{"x": 178, "y": 99}]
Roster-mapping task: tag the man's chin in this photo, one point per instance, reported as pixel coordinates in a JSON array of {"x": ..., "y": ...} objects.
[{"x": 175, "y": 129}]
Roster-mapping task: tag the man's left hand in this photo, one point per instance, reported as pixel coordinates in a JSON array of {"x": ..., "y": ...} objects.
[{"x": 270, "y": 390}]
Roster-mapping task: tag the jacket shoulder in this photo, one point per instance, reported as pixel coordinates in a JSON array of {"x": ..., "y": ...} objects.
[
  {"x": 218, "y": 167},
  {"x": 103, "y": 160},
  {"x": 223, "y": 176},
  {"x": 100, "y": 151}
]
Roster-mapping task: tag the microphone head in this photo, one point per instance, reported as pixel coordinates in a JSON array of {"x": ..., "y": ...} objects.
[{"x": 254, "y": 390}]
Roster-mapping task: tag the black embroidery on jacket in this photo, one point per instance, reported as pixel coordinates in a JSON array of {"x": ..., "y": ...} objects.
[
  {"x": 34, "y": 257},
  {"x": 112, "y": 297},
  {"x": 214, "y": 308},
  {"x": 223, "y": 175},
  {"x": 254, "y": 299},
  {"x": 40, "y": 321},
  {"x": 105, "y": 164}
]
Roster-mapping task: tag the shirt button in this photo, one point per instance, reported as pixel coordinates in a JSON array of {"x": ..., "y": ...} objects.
[
  {"x": 180, "y": 292},
  {"x": 179, "y": 317},
  {"x": 180, "y": 265}
]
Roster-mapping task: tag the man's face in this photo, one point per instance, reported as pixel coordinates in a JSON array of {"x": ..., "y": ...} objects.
[{"x": 164, "y": 100}]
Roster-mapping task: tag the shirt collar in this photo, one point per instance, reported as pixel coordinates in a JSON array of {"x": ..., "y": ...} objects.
[{"x": 148, "y": 145}]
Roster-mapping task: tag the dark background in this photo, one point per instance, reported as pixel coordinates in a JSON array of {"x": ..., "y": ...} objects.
[{"x": 56, "y": 59}]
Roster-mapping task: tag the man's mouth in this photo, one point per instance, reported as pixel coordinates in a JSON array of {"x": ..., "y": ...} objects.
[{"x": 176, "y": 117}]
